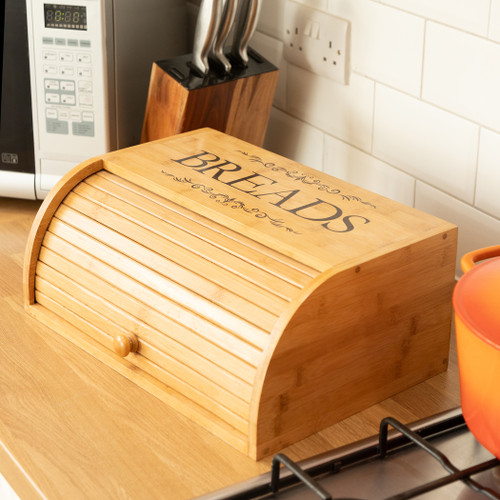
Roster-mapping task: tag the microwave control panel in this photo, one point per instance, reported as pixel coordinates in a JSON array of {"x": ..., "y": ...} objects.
[
  {"x": 68, "y": 90},
  {"x": 90, "y": 66},
  {"x": 73, "y": 109}
]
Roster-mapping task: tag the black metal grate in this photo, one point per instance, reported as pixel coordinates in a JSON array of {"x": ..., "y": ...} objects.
[
  {"x": 311, "y": 476},
  {"x": 455, "y": 474}
]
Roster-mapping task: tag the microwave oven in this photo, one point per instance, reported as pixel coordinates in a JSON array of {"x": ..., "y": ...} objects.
[{"x": 74, "y": 80}]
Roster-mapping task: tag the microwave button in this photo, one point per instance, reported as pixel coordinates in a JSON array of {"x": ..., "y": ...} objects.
[
  {"x": 68, "y": 99},
  {"x": 67, "y": 70},
  {"x": 48, "y": 40},
  {"x": 66, "y": 57},
  {"x": 85, "y": 44},
  {"x": 51, "y": 113},
  {"x": 49, "y": 55},
  {"x": 50, "y": 70},
  {"x": 51, "y": 98},
  {"x": 51, "y": 84},
  {"x": 60, "y": 41},
  {"x": 68, "y": 85},
  {"x": 85, "y": 72},
  {"x": 88, "y": 116},
  {"x": 63, "y": 114},
  {"x": 76, "y": 116},
  {"x": 72, "y": 42},
  {"x": 84, "y": 58}
]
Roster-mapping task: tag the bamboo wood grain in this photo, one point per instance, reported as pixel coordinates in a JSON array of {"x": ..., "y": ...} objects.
[
  {"x": 153, "y": 379},
  {"x": 127, "y": 235},
  {"x": 228, "y": 418},
  {"x": 183, "y": 279},
  {"x": 225, "y": 276},
  {"x": 145, "y": 312},
  {"x": 329, "y": 275},
  {"x": 70, "y": 426},
  {"x": 372, "y": 355},
  {"x": 239, "y": 107},
  {"x": 151, "y": 302},
  {"x": 184, "y": 236},
  {"x": 115, "y": 321},
  {"x": 236, "y": 244},
  {"x": 170, "y": 289},
  {"x": 387, "y": 224},
  {"x": 163, "y": 98},
  {"x": 143, "y": 171},
  {"x": 42, "y": 220}
]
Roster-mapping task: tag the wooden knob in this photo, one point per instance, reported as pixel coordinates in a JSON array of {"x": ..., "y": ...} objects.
[{"x": 125, "y": 344}]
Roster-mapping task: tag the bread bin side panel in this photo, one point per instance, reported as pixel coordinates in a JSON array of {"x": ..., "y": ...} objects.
[
  {"x": 363, "y": 335},
  {"x": 44, "y": 216}
]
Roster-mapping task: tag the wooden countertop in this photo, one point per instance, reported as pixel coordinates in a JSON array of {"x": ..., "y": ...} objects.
[{"x": 70, "y": 427}]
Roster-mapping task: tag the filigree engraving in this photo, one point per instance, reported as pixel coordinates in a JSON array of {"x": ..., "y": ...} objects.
[
  {"x": 306, "y": 179},
  {"x": 232, "y": 203}
]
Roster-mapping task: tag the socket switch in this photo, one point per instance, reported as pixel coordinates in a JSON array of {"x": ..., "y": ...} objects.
[{"x": 317, "y": 41}]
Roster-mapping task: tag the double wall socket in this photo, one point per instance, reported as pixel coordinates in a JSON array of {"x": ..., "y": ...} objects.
[{"x": 317, "y": 41}]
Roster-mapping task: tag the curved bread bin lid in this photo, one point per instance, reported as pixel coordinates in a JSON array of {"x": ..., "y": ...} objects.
[{"x": 220, "y": 268}]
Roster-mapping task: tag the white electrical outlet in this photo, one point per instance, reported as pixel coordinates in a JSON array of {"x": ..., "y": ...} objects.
[{"x": 317, "y": 41}]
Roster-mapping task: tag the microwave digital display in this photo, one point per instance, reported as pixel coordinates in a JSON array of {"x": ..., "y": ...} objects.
[{"x": 69, "y": 17}]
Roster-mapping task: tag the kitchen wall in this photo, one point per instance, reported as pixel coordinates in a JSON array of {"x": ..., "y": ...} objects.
[{"x": 419, "y": 121}]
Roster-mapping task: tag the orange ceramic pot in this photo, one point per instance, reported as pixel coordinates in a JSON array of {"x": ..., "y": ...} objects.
[{"x": 476, "y": 300}]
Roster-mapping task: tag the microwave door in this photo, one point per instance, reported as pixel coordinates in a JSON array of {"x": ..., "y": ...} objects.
[{"x": 17, "y": 163}]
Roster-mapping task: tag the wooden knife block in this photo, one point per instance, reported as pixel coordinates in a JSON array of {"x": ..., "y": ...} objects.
[
  {"x": 238, "y": 104},
  {"x": 258, "y": 297}
]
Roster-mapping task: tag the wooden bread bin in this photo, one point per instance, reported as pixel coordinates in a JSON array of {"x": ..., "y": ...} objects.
[{"x": 263, "y": 299}]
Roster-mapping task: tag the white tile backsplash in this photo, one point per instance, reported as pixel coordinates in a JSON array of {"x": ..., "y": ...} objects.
[
  {"x": 462, "y": 74},
  {"x": 475, "y": 229},
  {"x": 386, "y": 44},
  {"x": 468, "y": 15},
  {"x": 344, "y": 111},
  {"x": 426, "y": 142},
  {"x": 272, "y": 49},
  {"x": 295, "y": 139},
  {"x": 359, "y": 168},
  {"x": 419, "y": 121},
  {"x": 488, "y": 174},
  {"x": 272, "y": 18}
]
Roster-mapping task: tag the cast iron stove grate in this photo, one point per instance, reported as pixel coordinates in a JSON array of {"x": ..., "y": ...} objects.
[{"x": 436, "y": 458}]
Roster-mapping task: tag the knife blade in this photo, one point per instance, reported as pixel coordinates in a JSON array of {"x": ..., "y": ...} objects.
[
  {"x": 245, "y": 24},
  {"x": 205, "y": 32},
  {"x": 225, "y": 25}
]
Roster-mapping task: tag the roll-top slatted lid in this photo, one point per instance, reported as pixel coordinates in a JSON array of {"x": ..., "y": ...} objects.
[{"x": 118, "y": 259}]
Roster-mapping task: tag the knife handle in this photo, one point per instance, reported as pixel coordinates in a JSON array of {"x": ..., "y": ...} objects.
[
  {"x": 227, "y": 19},
  {"x": 206, "y": 30},
  {"x": 246, "y": 23}
]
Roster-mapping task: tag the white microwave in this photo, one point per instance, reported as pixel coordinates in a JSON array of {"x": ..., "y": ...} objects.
[{"x": 89, "y": 65}]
